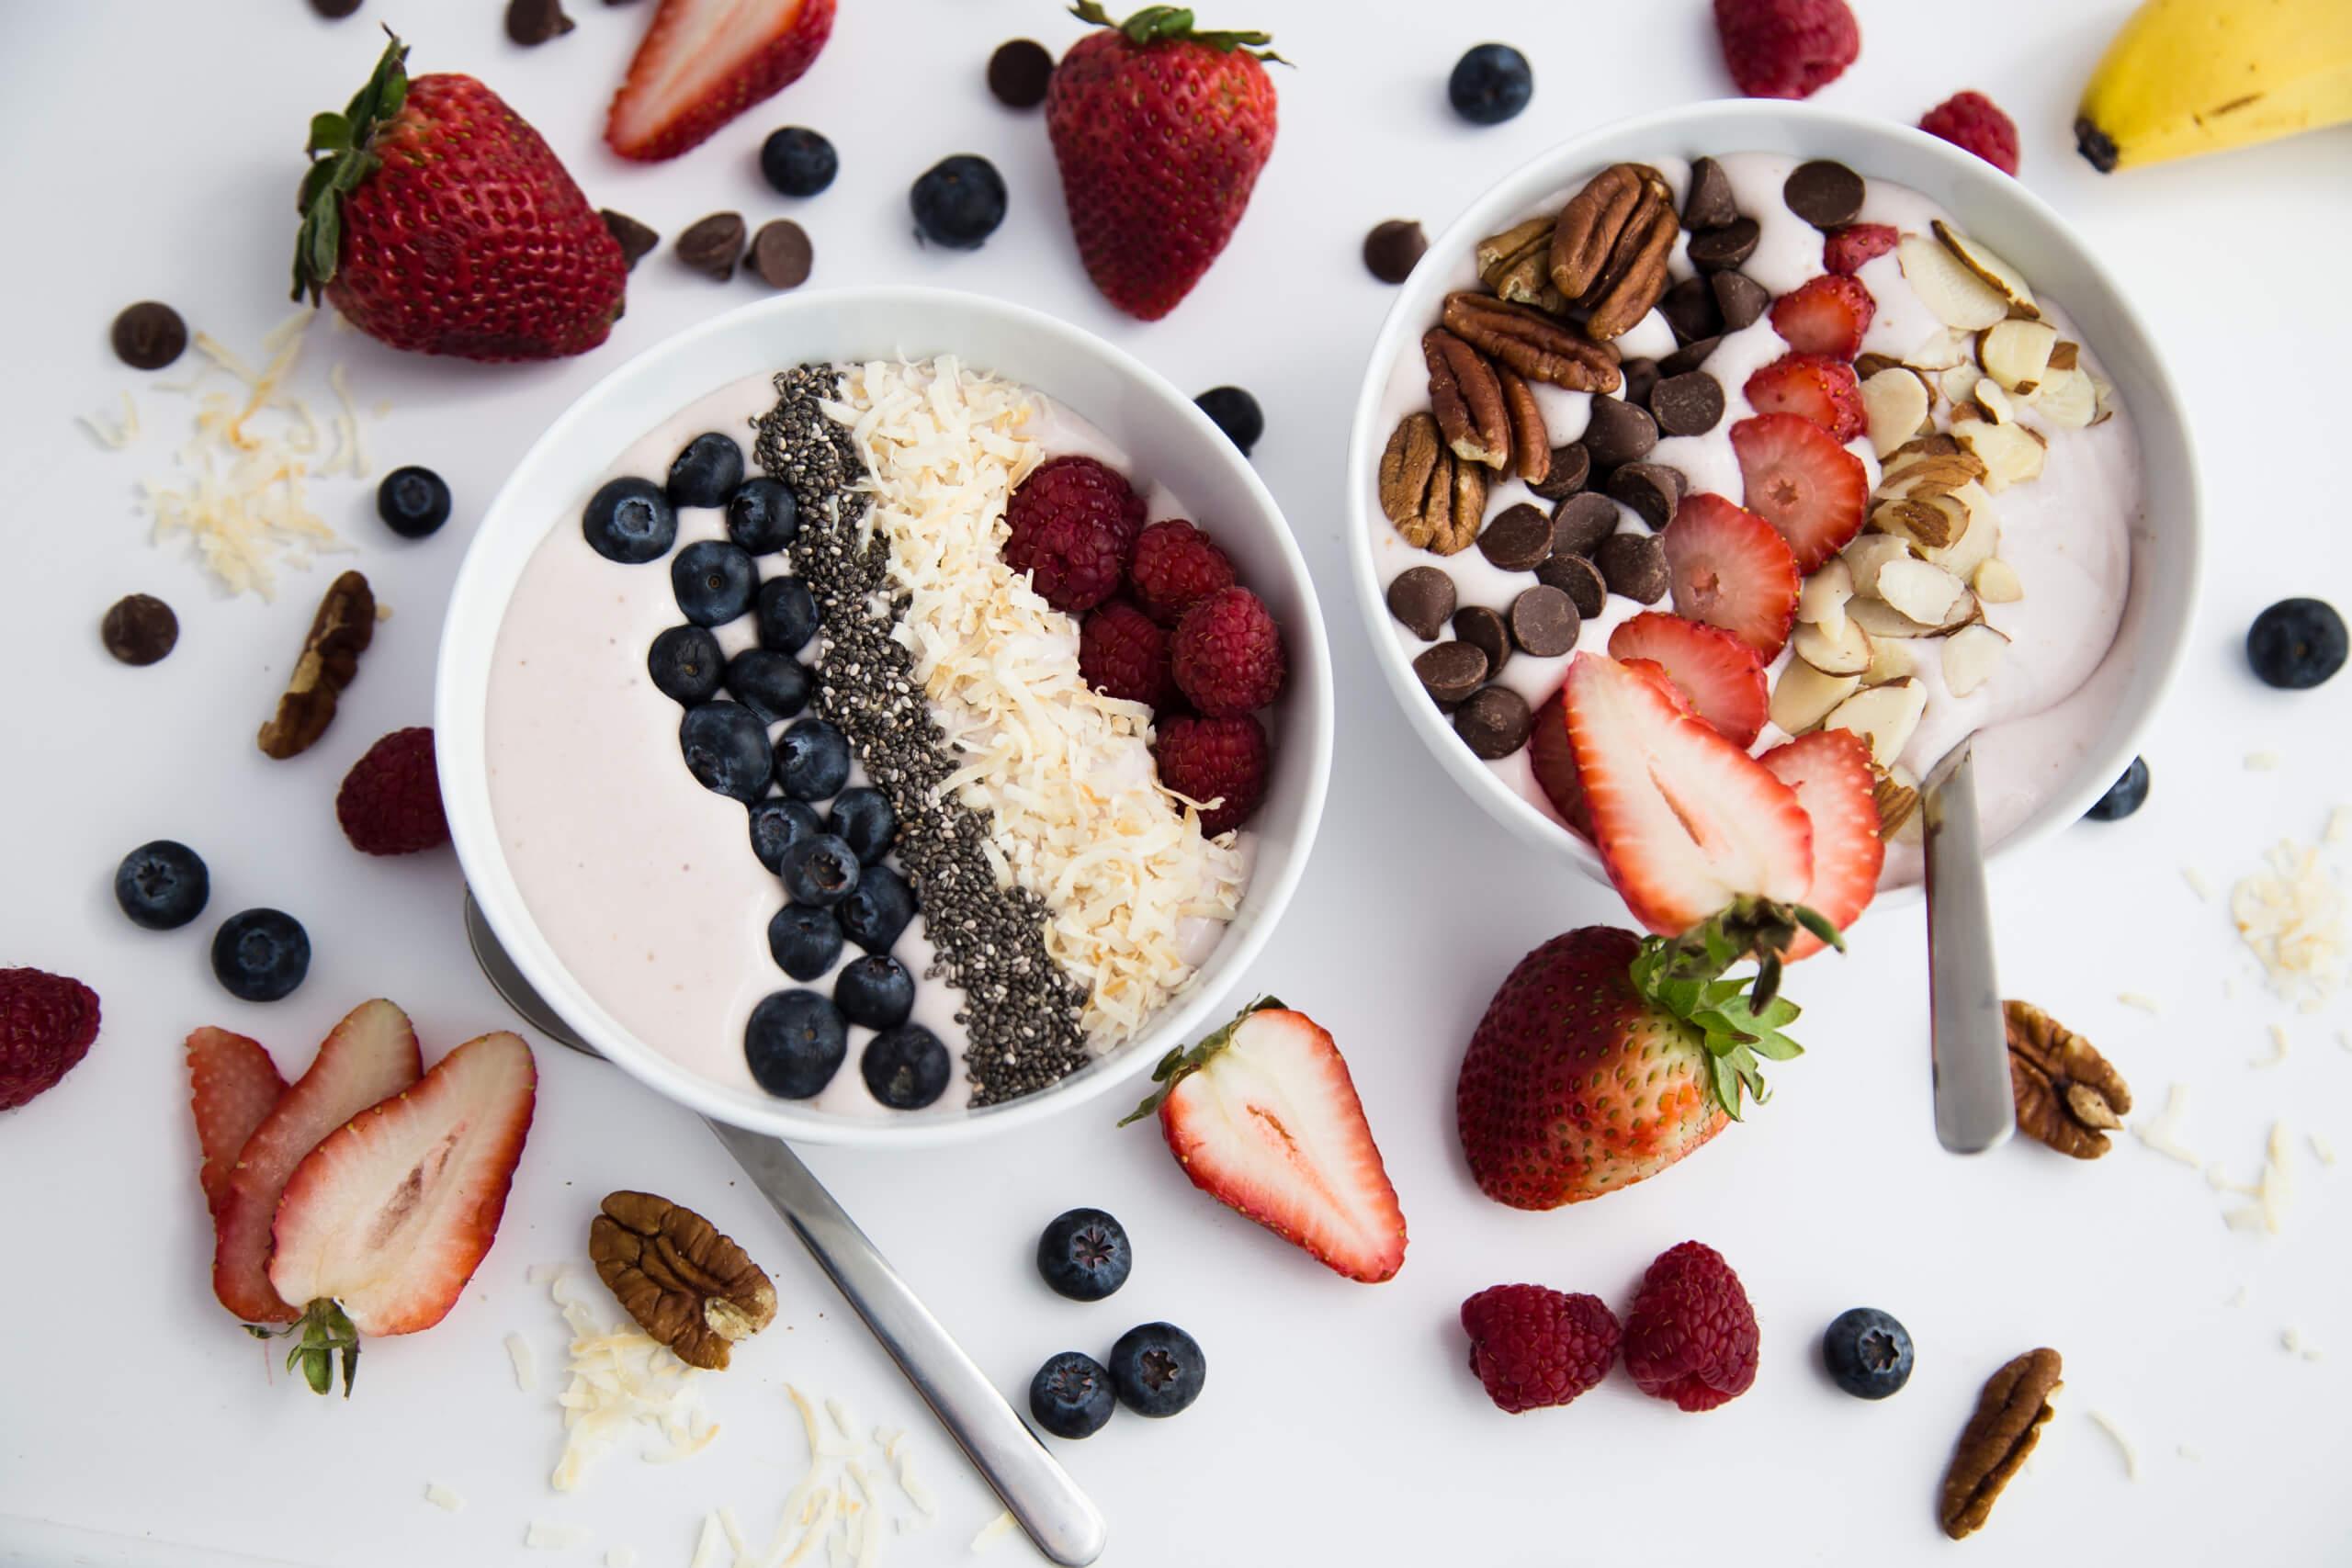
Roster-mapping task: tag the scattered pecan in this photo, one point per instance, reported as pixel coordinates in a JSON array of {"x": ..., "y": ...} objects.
[
  {"x": 1998, "y": 1438},
  {"x": 1435, "y": 498},
  {"x": 1895, "y": 801},
  {"x": 1516, "y": 263},
  {"x": 1610, "y": 246},
  {"x": 340, "y": 632},
  {"x": 1531, "y": 444},
  {"x": 686, "y": 1284},
  {"x": 1532, "y": 343},
  {"x": 2069, "y": 1096},
  {"x": 1467, "y": 399}
]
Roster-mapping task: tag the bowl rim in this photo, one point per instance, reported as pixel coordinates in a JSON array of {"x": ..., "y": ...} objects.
[
  {"x": 1559, "y": 162},
  {"x": 473, "y": 832}
]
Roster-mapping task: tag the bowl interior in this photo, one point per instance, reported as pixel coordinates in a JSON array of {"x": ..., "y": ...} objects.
[{"x": 1164, "y": 435}]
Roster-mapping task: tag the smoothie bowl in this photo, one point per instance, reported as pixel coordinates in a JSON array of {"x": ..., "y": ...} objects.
[{"x": 883, "y": 715}]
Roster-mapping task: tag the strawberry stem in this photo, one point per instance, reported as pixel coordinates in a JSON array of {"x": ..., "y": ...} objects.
[
  {"x": 340, "y": 158},
  {"x": 1741, "y": 1017},
  {"x": 325, "y": 1332},
  {"x": 1181, "y": 1064},
  {"x": 1168, "y": 24}
]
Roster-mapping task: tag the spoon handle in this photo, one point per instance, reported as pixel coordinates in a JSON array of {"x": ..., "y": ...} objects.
[{"x": 1975, "y": 1107}]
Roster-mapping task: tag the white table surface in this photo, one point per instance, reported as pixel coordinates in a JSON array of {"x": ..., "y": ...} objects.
[{"x": 153, "y": 152}]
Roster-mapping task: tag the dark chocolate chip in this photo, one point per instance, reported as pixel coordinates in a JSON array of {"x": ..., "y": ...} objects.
[
  {"x": 1495, "y": 723},
  {"x": 532, "y": 22},
  {"x": 1652, "y": 490},
  {"x": 1485, "y": 630},
  {"x": 1019, "y": 73},
  {"x": 1581, "y": 522},
  {"x": 1393, "y": 249},
  {"x": 1544, "y": 622},
  {"x": 1422, "y": 597},
  {"x": 1452, "y": 670},
  {"x": 1824, "y": 193},
  {"x": 636, "y": 241},
  {"x": 1578, "y": 579},
  {"x": 335, "y": 10},
  {"x": 1686, "y": 359},
  {"x": 1634, "y": 566},
  {"x": 1618, "y": 431},
  {"x": 1640, "y": 376},
  {"x": 149, "y": 336},
  {"x": 1519, "y": 537},
  {"x": 1720, "y": 249},
  {"x": 780, "y": 255},
  {"x": 1740, "y": 300},
  {"x": 1711, "y": 204},
  {"x": 1687, "y": 404},
  {"x": 710, "y": 246},
  {"x": 1690, "y": 309},
  {"x": 139, "y": 629},
  {"x": 1571, "y": 471}
]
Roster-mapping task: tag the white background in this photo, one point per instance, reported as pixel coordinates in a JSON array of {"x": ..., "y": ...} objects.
[{"x": 154, "y": 151}]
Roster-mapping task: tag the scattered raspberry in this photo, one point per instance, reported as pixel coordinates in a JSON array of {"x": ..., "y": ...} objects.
[
  {"x": 1221, "y": 760},
  {"x": 1843, "y": 251},
  {"x": 47, "y": 1022},
  {"x": 1786, "y": 49},
  {"x": 1976, "y": 122},
  {"x": 1229, "y": 654},
  {"x": 1691, "y": 1334},
  {"x": 1534, "y": 1347},
  {"x": 1175, "y": 567},
  {"x": 390, "y": 801},
  {"x": 1073, "y": 524},
  {"x": 1123, "y": 653}
]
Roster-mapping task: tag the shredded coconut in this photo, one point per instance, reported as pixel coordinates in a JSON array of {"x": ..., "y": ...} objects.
[
  {"x": 2262, "y": 762},
  {"x": 995, "y": 1530},
  {"x": 2339, "y": 826},
  {"x": 2291, "y": 913},
  {"x": 2107, "y": 1423},
  {"x": 617, "y": 1378},
  {"x": 445, "y": 1498},
  {"x": 548, "y": 1535},
  {"x": 116, "y": 436},
  {"x": 2322, "y": 1150},
  {"x": 2163, "y": 1133},
  {"x": 526, "y": 1363},
  {"x": 2134, "y": 1000},
  {"x": 2197, "y": 883},
  {"x": 2277, "y": 1048}
]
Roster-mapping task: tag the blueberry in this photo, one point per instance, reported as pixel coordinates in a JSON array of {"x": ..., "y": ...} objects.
[
  {"x": 861, "y": 818},
  {"x": 713, "y": 581},
  {"x": 1158, "y": 1368},
  {"x": 875, "y": 991},
  {"x": 629, "y": 520},
  {"x": 798, "y": 161},
  {"x": 804, "y": 941},
  {"x": 772, "y": 685},
  {"x": 161, "y": 886},
  {"x": 1236, "y": 414},
  {"x": 906, "y": 1067},
  {"x": 761, "y": 516},
  {"x": 959, "y": 201},
  {"x": 1071, "y": 1396},
  {"x": 727, "y": 749},
  {"x": 777, "y": 823},
  {"x": 2124, "y": 796},
  {"x": 1084, "y": 1255},
  {"x": 820, "y": 871},
  {"x": 685, "y": 664},
  {"x": 1868, "y": 1352},
  {"x": 878, "y": 910},
  {"x": 261, "y": 955},
  {"x": 1490, "y": 83},
  {"x": 788, "y": 613},
  {"x": 811, "y": 760},
  {"x": 706, "y": 472},
  {"x": 2296, "y": 643},
  {"x": 412, "y": 501},
  {"x": 795, "y": 1044}
]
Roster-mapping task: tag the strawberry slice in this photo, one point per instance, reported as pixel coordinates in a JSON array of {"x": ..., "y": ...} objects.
[
  {"x": 1731, "y": 569},
  {"x": 1800, "y": 480},
  {"x": 233, "y": 1087},
  {"x": 1846, "y": 251},
  {"x": 705, "y": 61},
  {"x": 1650, "y": 670},
  {"x": 1825, "y": 315},
  {"x": 371, "y": 1053},
  {"x": 1686, "y": 822},
  {"x": 1830, "y": 771},
  {"x": 1823, "y": 390},
  {"x": 1263, "y": 1117},
  {"x": 1554, "y": 761},
  {"x": 1720, "y": 675}
]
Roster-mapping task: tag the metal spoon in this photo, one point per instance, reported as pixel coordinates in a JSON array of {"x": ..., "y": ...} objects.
[
  {"x": 1975, "y": 1107},
  {"x": 1059, "y": 1517}
]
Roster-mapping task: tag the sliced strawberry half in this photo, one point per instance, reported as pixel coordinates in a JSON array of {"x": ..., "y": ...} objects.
[
  {"x": 1846, "y": 251},
  {"x": 1823, "y": 390},
  {"x": 1554, "y": 762},
  {"x": 705, "y": 61},
  {"x": 1719, "y": 674},
  {"x": 232, "y": 1087},
  {"x": 1729, "y": 568},
  {"x": 1650, "y": 670},
  {"x": 1826, "y": 316},
  {"x": 1263, "y": 1117},
  {"x": 1830, "y": 771},
  {"x": 1799, "y": 480},
  {"x": 371, "y": 1053}
]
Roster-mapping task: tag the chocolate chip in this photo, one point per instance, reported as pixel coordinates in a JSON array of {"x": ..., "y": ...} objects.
[
  {"x": 1544, "y": 622},
  {"x": 148, "y": 335},
  {"x": 1019, "y": 73},
  {"x": 1571, "y": 470},
  {"x": 1634, "y": 565},
  {"x": 1581, "y": 522},
  {"x": 1711, "y": 204},
  {"x": 1452, "y": 670},
  {"x": 1690, "y": 309},
  {"x": 1393, "y": 248},
  {"x": 1578, "y": 579},
  {"x": 1687, "y": 404},
  {"x": 1719, "y": 250},
  {"x": 1495, "y": 723},
  {"x": 1485, "y": 630},
  {"x": 335, "y": 10},
  {"x": 780, "y": 253},
  {"x": 1640, "y": 376},
  {"x": 1687, "y": 358},
  {"x": 637, "y": 241},
  {"x": 711, "y": 245},
  {"x": 139, "y": 629},
  {"x": 1617, "y": 431},
  {"x": 1740, "y": 300},
  {"x": 1824, "y": 193},
  {"x": 1517, "y": 538},
  {"x": 535, "y": 21},
  {"x": 1422, "y": 597},
  {"x": 1652, "y": 490}
]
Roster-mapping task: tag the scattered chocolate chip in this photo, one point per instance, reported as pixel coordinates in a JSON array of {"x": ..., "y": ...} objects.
[
  {"x": 1485, "y": 630},
  {"x": 1640, "y": 376},
  {"x": 711, "y": 245},
  {"x": 1720, "y": 249},
  {"x": 1393, "y": 249},
  {"x": 780, "y": 253},
  {"x": 1652, "y": 490},
  {"x": 138, "y": 628},
  {"x": 1452, "y": 670},
  {"x": 1824, "y": 193},
  {"x": 1687, "y": 358},
  {"x": 1632, "y": 565},
  {"x": 532, "y": 22},
  {"x": 1578, "y": 579},
  {"x": 335, "y": 10},
  {"x": 1687, "y": 404},
  {"x": 1518, "y": 537},
  {"x": 1422, "y": 597},
  {"x": 1711, "y": 204},
  {"x": 1571, "y": 470},
  {"x": 1740, "y": 301},
  {"x": 1581, "y": 522},
  {"x": 1019, "y": 73},
  {"x": 1495, "y": 723},
  {"x": 149, "y": 336},
  {"x": 637, "y": 241},
  {"x": 1544, "y": 622},
  {"x": 1617, "y": 431},
  {"x": 1690, "y": 309}
]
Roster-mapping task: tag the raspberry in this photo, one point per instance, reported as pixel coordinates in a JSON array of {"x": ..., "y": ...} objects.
[
  {"x": 1229, "y": 654},
  {"x": 1175, "y": 567},
  {"x": 1534, "y": 1347},
  {"x": 1073, "y": 523},
  {"x": 1691, "y": 1334},
  {"x": 1786, "y": 49},
  {"x": 47, "y": 1022},
  {"x": 1973, "y": 121},
  {"x": 390, "y": 801},
  {"x": 1843, "y": 251},
  {"x": 1220, "y": 760},
  {"x": 1123, "y": 653}
]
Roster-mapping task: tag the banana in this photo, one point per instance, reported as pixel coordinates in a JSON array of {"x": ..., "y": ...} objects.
[{"x": 2190, "y": 76}]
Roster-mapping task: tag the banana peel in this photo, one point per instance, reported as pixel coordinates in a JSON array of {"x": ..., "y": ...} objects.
[{"x": 2191, "y": 76}]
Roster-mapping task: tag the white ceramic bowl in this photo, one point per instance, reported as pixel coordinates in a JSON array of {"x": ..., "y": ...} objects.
[
  {"x": 2118, "y": 703},
  {"x": 1160, "y": 430}
]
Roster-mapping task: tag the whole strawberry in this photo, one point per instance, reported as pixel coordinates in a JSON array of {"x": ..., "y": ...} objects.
[
  {"x": 47, "y": 1022},
  {"x": 1532, "y": 1345},
  {"x": 1160, "y": 131},
  {"x": 435, "y": 220},
  {"x": 390, "y": 801},
  {"x": 1691, "y": 1334}
]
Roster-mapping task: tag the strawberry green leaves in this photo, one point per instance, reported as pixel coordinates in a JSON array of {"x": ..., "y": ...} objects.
[
  {"x": 1741, "y": 1017},
  {"x": 1161, "y": 24},
  {"x": 1181, "y": 1064},
  {"x": 326, "y": 1334},
  {"x": 338, "y": 146}
]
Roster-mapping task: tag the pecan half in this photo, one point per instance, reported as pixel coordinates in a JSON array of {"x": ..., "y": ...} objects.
[
  {"x": 684, "y": 1283},
  {"x": 2008, "y": 1423},
  {"x": 1466, "y": 399},
  {"x": 1531, "y": 444},
  {"x": 1610, "y": 246},
  {"x": 1532, "y": 343},
  {"x": 340, "y": 632},
  {"x": 2069, "y": 1096},
  {"x": 1435, "y": 498},
  {"x": 1517, "y": 265}
]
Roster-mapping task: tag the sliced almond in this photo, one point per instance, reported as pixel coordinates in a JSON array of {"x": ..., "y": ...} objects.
[
  {"x": 2067, "y": 398},
  {"x": 1846, "y": 653},
  {"x": 1996, "y": 583},
  {"x": 1940, "y": 350},
  {"x": 1866, "y": 555},
  {"x": 1802, "y": 697},
  {"x": 1949, "y": 288},
  {"x": 1822, "y": 601},
  {"x": 1971, "y": 656},
  {"x": 1960, "y": 390},
  {"x": 1885, "y": 715},
  {"x": 2105, "y": 393},
  {"x": 1908, "y": 820},
  {"x": 1895, "y": 402},
  {"x": 1924, "y": 592},
  {"x": 1882, "y": 619},
  {"x": 1890, "y": 660},
  {"x": 1988, "y": 396},
  {"x": 1917, "y": 523},
  {"x": 1990, "y": 269},
  {"x": 2012, "y": 453},
  {"x": 1978, "y": 539},
  {"x": 2065, "y": 355},
  {"x": 2016, "y": 353}
]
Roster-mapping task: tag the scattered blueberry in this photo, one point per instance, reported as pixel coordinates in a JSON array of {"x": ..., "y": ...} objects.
[
  {"x": 726, "y": 747},
  {"x": 959, "y": 201},
  {"x": 1084, "y": 1255},
  {"x": 761, "y": 516},
  {"x": 795, "y": 1044},
  {"x": 863, "y": 819},
  {"x": 804, "y": 941},
  {"x": 820, "y": 871},
  {"x": 798, "y": 161},
  {"x": 2124, "y": 796},
  {"x": 161, "y": 886},
  {"x": 906, "y": 1067},
  {"x": 878, "y": 910},
  {"x": 1158, "y": 1368},
  {"x": 629, "y": 520},
  {"x": 685, "y": 664},
  {"x": 2296, "y": 643},
  {"x": 875, "y": 991},
  {"x": 772, "y": 685},
  {"x": 261, "y": 955},
  {"x": 713, "y": 581},
  {"x": 1071, "y": 1396},
  {"x": 811, "y": 760},
  {"x": 1869, "y": 1353},
  {"x": 706, "y": 472},
  {"x": 1236, "y": 414},
  {"x": 412, "y": 501},
  {"x": 777, "y": 823},
  {"x": 1490, "y": 83},
  {"x": 788, "y": 613}
]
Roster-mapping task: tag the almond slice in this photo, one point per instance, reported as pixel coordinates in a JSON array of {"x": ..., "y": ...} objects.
[
  {"x": 1940, "y": 350},
  {"x": 2016, "y": 353},
  {"x": 1959, "y": 387},
  {"x": 1908, "y": 829},
  {"x": 1886, "y": 716},
  {"x": 1949, "y": 288},
  {"x": 2067, "y": 398},
  {"x": 1979, "y": 537},
  {"x": 1804, "y": 696},
  {"x": 1822, "y": 601},
  {"x": 1881, "y": 619},
  {"x": 1924, "y": 592},
  {"x": 1917, "y": 523},
  {"x": 1890, "y": 660},
  {"x": 2105, "y": 391},
  {"x": 1846, "y": 653},
  {"x": 2012, "y": 453},
  {"x": 1989, "y": 269},
  {"x": 1996, "y": 583},
  {"x": 1972, "y": 657},
  {"x": 1895, "y": 401},
  {"x": 1988, "y": 396},
  {"x": 1867, "y": 555}
]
